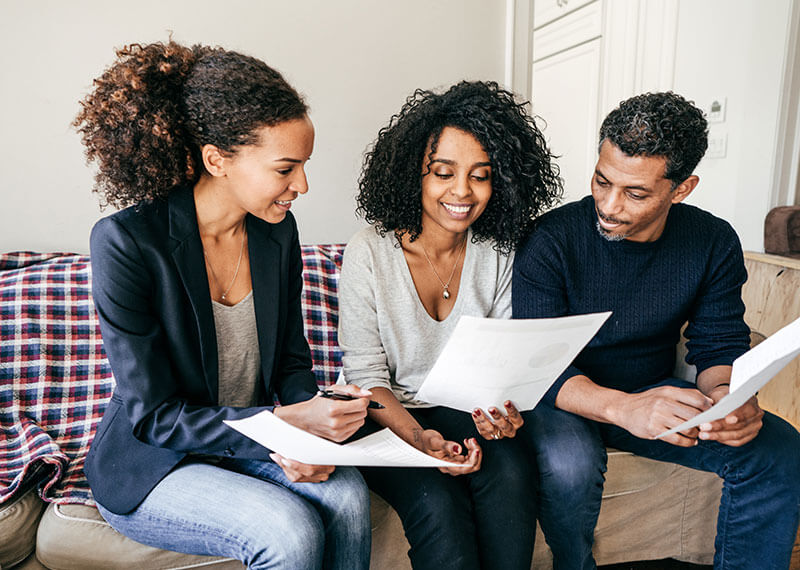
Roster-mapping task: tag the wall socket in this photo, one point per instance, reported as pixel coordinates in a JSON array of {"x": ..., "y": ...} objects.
[{"x": 716, "y": 110}]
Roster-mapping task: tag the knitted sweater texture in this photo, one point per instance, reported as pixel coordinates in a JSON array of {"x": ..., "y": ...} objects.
[{"x": 693, "y": 273}]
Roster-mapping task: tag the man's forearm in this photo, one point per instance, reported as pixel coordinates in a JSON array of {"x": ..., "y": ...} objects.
[{"x": 583, "y": 397}]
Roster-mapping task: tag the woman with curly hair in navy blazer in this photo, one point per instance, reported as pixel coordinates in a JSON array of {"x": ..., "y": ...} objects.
[{"x": 197, "y": 286}]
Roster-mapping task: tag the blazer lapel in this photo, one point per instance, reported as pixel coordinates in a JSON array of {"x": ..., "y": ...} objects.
[
  {"x": 190, "y": 262},
  {"x": 265, "y": 272}
]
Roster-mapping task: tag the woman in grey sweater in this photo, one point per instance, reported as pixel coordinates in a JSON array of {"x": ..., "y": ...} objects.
[{"x": 450, "y": 186}]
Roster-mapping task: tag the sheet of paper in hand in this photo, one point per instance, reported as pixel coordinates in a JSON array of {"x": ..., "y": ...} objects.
[
  {"x": 488, "y": 361},
  {"x": 751, "y": 371},
  {"x": 382, "y": 448}
]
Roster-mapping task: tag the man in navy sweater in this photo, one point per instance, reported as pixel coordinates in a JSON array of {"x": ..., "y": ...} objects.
[{"x": 633, "y": 248}]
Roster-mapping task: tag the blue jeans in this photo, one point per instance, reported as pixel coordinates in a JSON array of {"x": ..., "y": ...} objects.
[
  {"x": 250, "y": 511},
  {"x": 485, "y": 519},
  {"x": 758, "y": 514}
]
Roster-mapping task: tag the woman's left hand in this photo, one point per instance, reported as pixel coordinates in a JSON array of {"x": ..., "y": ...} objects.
[
  {"x": 302, "y": 472},
  {"x": 435, "y": 445},
  {"x": 497, "y": 425}
]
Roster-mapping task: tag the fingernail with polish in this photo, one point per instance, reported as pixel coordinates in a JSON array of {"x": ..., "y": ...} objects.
[{"x": 476, "y": 413}]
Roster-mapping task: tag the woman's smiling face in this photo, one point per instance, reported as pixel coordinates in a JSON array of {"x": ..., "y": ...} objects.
[
  {"x": 264, "y": 178},
  {"x": 456, "y": 182}
]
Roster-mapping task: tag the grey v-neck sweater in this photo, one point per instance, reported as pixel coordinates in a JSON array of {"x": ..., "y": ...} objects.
[{"x": 387, "y": 337}]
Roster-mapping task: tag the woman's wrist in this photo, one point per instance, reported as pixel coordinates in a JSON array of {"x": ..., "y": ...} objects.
[{"x": 293, "y": 414}]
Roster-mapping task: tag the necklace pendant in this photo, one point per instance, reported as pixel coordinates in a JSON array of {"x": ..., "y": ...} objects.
[{"x": 445, "y": 294}]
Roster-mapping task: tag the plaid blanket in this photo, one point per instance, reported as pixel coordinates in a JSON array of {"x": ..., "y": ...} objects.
[{"x": 55, "y": 380}]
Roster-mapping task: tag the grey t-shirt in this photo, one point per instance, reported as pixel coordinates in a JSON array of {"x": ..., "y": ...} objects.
[
  {"x": 387, "y": 337},
  {"x": 238, "y": 353}
]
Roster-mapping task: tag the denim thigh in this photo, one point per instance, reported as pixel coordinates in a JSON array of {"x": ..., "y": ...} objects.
[
  {"x": 200, "y": 508},
  {"x": 761, "y": 489},
  {"x": 571, "y": 459}
]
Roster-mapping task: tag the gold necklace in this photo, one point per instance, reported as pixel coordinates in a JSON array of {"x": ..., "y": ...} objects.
[
  {"x": 235, "y": 273},
  {"x": 445, "y": 286}
]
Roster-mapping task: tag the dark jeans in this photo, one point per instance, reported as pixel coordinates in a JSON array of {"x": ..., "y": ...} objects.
[
  {"x": 482, "y": 520},
  {"x": 758, "y": 514}
]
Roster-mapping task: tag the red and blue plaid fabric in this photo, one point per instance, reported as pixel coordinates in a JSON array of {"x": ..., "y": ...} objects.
[
  {"x": 55, "y": 380},
  {"x": 54, "y": 375},
  {"x": 321, "y": 265}
]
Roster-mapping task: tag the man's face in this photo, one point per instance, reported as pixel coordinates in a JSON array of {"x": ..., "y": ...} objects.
[{"x": 631, "y": 195}]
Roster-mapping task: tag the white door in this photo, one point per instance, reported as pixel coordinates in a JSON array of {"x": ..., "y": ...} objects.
[{"x": 564, "y": 93}]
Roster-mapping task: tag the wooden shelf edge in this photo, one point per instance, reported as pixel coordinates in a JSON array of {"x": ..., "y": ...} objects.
[{"x": 779, "y": 260}]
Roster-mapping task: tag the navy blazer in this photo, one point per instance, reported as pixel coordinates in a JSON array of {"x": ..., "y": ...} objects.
[{"x": 150, "y": 289}]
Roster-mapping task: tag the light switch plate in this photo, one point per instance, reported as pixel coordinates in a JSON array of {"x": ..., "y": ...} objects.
[{"x": 717, "y": 146}]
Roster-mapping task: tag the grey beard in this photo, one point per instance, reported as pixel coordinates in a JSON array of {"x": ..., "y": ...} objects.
[{"x": 608, "y": 236}]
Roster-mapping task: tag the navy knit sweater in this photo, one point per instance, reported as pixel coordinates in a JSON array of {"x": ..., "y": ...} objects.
[{"x": 694, "y": 272}]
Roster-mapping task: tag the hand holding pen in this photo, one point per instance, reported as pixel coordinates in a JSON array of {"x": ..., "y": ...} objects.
[
  {"x": 332, "y": 414},
  {"x": 333, "y": 395}
]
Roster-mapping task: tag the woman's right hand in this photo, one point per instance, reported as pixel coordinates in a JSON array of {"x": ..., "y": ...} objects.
[
  {"x": 437, "y": 446},
  {"x": 335, "y": 420}
]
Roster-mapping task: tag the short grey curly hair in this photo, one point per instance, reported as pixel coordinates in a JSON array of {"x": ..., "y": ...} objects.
[{"x": 659, "y": 124}]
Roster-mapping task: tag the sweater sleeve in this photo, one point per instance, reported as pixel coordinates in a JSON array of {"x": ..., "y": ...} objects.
[
  {"x": 363, "y": 356},
  {"x": 539, "y": 291},
  {"x": 717, "y": 333}
]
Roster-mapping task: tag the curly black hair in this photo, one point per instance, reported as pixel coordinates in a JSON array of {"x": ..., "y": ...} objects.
[
  {"x": 659, "y": 124},
  {"x": 150, "y": 113},
  {"x": 524, "y": 180}
]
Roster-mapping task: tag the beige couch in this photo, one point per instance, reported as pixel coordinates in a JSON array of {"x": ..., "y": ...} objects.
[{"x": 650, "y": 511}]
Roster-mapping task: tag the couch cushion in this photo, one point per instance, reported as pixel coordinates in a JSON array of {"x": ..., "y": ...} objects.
[
  {"x": 389, "y": 544},
  {"x": 75, "y": 537},
  {"x": 18, "y": 521},
  {"x": 629, "y": 473}
]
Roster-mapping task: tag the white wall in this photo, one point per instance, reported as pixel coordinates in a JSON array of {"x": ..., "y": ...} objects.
[
  {"x": 354, "y": 60},
  {"x": 735, "y": 49}
]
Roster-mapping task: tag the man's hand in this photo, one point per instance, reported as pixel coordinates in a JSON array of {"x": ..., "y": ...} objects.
[
  {"x": 738, "y": 427},
  {"x": 437, "y": 446},
  {"x": 302, "y": 472},
  {"x": 647, "y": 414}
]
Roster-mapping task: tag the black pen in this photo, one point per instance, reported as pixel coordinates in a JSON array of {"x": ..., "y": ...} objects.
[{"x": 338, "y": 396}]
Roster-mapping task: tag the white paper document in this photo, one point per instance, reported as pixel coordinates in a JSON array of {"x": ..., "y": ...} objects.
[
  {"x": 751, "y": 371},
  {"x": 488, "y": 361},
  {"x": 382, "y": 448}
]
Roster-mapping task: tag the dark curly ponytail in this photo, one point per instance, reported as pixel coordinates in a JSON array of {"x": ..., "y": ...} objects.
[{"x": 158, "y": 104}]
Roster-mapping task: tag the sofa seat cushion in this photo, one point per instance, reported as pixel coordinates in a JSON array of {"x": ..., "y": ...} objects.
[
  {"x": 629, "y": 473},
  {"x": 75, "y": 537},
  {"x": 18, "y": 521}
]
